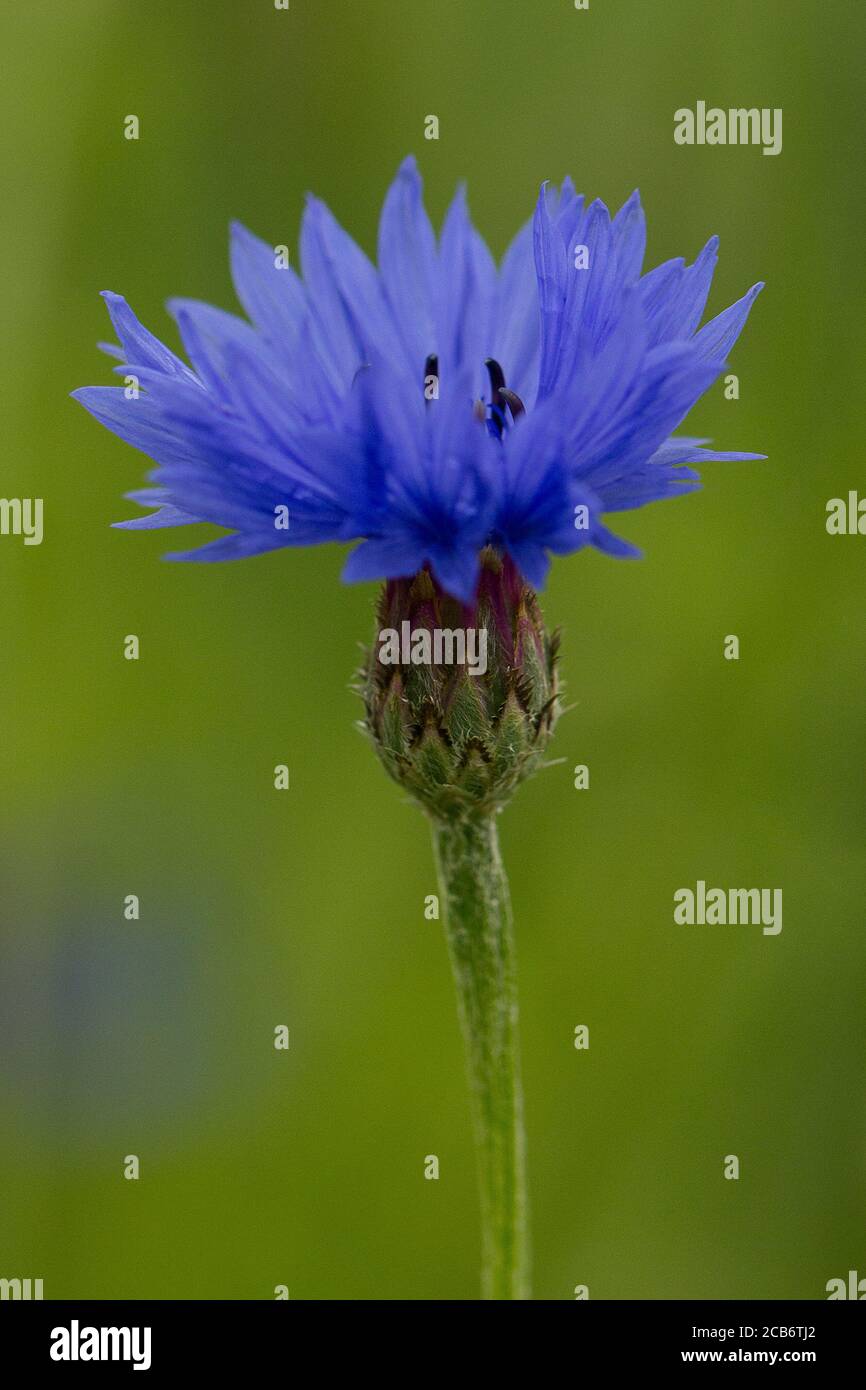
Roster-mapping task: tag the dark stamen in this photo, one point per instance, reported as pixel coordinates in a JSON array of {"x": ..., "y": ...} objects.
[
  {"x": 513, "y": 401},
  {"x": 501, "y": 397},
  {"x": 497, "y": 381}
]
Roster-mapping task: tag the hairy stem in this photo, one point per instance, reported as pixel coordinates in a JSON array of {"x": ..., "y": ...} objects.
[{"x": 477, "y": 914}]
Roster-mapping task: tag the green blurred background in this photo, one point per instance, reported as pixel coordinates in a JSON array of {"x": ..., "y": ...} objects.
[{"x": 306, "y": 908}]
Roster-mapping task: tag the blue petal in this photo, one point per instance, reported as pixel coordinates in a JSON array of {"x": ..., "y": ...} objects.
[
  {"x": 610, "y": 544},
  {"x": 207, "y": 333},
  {"x": 272, "y": 294},
  {"x": 532, "y": 560},
  {"x": 550, "y": 269},
  {"x": 139, "y": 422},
  {"x": 515, "y": 334},
  {"x": 685, "y": 295},
  {"x": 139, "y": 344},
  {"x": 467, "y": 293},
  {"x": 407, "y": 264},
  {"x": 168, "y": 515},
  {"x": 349, "y": 315},
  {"x": 716, "y": 338},
  {"x": 629, "y": 238},
  {"x": 237, "y": 547},
  {"x": 383, "y": 559},
  {"x": 456, "y": 569}
]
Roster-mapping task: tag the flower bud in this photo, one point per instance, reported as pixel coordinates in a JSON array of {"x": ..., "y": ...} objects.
[{"x": 460, "y": 734}]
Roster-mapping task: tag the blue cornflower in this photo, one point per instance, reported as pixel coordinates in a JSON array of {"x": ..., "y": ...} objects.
[{"x": 435, "y": 405}]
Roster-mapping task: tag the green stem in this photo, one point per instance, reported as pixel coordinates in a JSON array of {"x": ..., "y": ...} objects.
[{"x": 477, "y": 914}]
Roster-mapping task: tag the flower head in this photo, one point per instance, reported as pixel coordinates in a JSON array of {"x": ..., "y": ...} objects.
[{"x": 433, "y": 405}]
